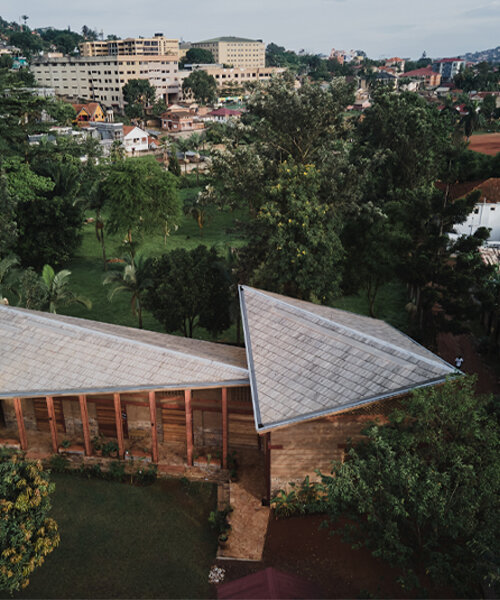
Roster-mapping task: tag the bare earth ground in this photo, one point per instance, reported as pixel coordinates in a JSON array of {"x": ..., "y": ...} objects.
[{"x": 486, "y": 143}]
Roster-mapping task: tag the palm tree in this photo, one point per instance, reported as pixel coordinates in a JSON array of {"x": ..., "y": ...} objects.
[
  {"x": 7, "y": 265},
  {"x": 58, "y": 292},
  {"x": 133, "y": 279},
  {"x": 184, "y": 145}
]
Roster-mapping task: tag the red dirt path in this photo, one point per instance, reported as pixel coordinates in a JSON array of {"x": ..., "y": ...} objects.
[{"x": 486, "y": 143}]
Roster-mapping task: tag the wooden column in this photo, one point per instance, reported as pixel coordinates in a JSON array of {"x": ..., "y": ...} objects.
[
  {"x": 268, "y": 468},
  {"x": 224, "y": 428},
  {"x": 119, "y": 424},
  {"x": 52, "y": 421},
  {"x": 189, "y": 426},
  {"x": 154, "y": 432},
  {"x": 85, "y": 424},
  {"x": 20, "y": 423}
]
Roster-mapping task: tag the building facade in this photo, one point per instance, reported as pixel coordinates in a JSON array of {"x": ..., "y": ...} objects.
[
  {"x": 158, "y": 45},
  {"x": 448, "y": 67},
  {"x": 101, "y": 78},
  {"x": 235, "y": 51}
]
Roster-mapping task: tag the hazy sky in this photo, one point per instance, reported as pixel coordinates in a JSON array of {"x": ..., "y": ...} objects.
[{"x": 380, "y": 27}]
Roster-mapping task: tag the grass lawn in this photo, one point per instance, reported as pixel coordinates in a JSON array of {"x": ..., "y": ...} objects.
[
  {"x": 87, "y": 267},
  {"x": 87, "y": 273},
  {"x": 122, "y": 541}
]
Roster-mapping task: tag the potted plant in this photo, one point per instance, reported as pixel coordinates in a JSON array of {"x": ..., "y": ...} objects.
[{"x": 222, "y": 539}]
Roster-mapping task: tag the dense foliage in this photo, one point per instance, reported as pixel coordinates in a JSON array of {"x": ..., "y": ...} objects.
[
  {"x": 190, "y": 289},
  {"x": 422, "y": 491},
  {"x": 27, "y": 534},
  {"x": 202, "y": 86}
]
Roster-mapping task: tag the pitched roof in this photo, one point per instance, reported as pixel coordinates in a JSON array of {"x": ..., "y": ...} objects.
[
  {"x": 307, "y": 360},
  {"x": 224, "y": 112},
  {"x": 227, "y": 38},
  {"x": 43, "y": 354},
  {"x": 422, "y": 72},
  {"x": 489, "y": 189}
]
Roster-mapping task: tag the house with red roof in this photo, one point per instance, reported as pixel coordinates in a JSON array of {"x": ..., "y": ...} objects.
[
  {"x": 448, "y": 67},
  {"x": 426, "y": 76},
  {"x": 135, "y": 139},
  {"x": 222, "y": 115},
  {"x": 91, "y": 112},
  {"x": 486, "y": 212}
]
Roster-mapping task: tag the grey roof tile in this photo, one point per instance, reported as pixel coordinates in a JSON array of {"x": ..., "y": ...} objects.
[
  {"x": 50, "y": 354},
  {"x": 305, "y": 359}
]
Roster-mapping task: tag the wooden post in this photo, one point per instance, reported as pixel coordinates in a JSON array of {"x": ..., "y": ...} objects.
[
  {"x": 268, "y": 467},
  {"x": 154, "y": 432},
  {"x": 52, "y": 421},
  {"x": 85, "y": 424},
  {"x": 20, "y": 423},
  {"x": 224, "y": 428},
  {"x": 189, "y": 426},
  {"x": 119, "y": 424}
]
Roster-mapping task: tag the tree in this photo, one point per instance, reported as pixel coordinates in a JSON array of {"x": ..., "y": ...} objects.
[
  {"x": 58, "y": 290},
  {"x": 30, "y": 290},
  {"x": 294, "y": 246},
  {"x": 133, "y": 279},
  {"x": 8, "y": 225},
  {"x": 202, "y": 85},
  {"x": 422, "y": 491},
  {"x": 138, "y": 94},
  {"x": 141, "y": 197},
  {"x": 190, "y": 289},
  {"x": 27, "y": 533},
  {"x": 197, "y": 56},
  {"x": 201, "y": 207}
]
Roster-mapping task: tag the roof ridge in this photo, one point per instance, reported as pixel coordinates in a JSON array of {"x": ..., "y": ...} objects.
[
  {"x": 44, "y": 319},
  {"x": 351, "y": 329}
]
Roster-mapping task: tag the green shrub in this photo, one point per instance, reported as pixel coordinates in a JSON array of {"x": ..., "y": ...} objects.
[
  {"x": 146, "y": 476},
  {"x": 116, "y": 471},
  {"x": 59, "y": 463}
]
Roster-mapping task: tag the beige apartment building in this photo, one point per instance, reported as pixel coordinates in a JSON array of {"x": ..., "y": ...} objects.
[
  {"x": 158, "y": 45},
  {"x": 101, "y": 78},
  {"x": 240, "y": 76},
  {"x": 235, "y": 51}
]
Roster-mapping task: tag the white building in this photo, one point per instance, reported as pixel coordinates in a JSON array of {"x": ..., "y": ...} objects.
[
  {"x": 486, "y": 212},
  {"x": 135, "y": 139},
  {"x": 101, "y": 78}
]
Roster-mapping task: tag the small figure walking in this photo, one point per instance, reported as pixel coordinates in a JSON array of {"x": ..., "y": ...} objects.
[{"x": 459, "y": 361}]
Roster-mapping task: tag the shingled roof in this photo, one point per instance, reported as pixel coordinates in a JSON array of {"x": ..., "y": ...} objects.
[
  {"x": 307, "y": 360},
  {"x": 44, "y": 354}
]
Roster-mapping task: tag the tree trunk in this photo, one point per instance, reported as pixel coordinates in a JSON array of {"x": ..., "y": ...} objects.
[{"x": 139, "y": 313}]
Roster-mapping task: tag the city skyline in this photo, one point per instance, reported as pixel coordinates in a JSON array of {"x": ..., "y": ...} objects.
[{"x": 390, "y": 27}]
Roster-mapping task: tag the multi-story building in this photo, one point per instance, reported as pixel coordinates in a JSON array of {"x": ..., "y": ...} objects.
[
  {"x": 448, "y": 67},
  {"x": 235, "y": 51},
  {"x": 234, "y": 76},
  {"x": 101, "y": 78},
  {"x": 158, "y": 45}
]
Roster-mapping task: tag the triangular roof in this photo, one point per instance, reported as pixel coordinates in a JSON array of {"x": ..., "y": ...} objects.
[
  {"x": 128, "y": 129},
  {"x": 44, "y": 354},
  {"x": 268, "y": 584},
  {"x": 306, "y": 360}
]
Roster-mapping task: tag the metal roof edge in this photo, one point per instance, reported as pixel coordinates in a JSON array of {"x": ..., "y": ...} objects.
[
  {"x": 110, "y": 390},
  {"x": 248, "y": 350},
  {"x": 122, "y": 339},
  {"x": 364, "y": 401},
  {"x": 367, "y": 336}
]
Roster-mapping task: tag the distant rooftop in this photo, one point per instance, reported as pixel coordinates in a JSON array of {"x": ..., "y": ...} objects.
[{"x": 227, "y": 38}]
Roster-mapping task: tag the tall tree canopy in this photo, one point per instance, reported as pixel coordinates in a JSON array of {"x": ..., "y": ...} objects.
[
  {"x": 197, "y": 56},
  {"x": 288, "y": 163},
  {"x": 422, "y": 492},
  {"x": 202, "y": 85},
  {"x": 190, "y": 289},
  {"x": 140, "y": 196}
]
